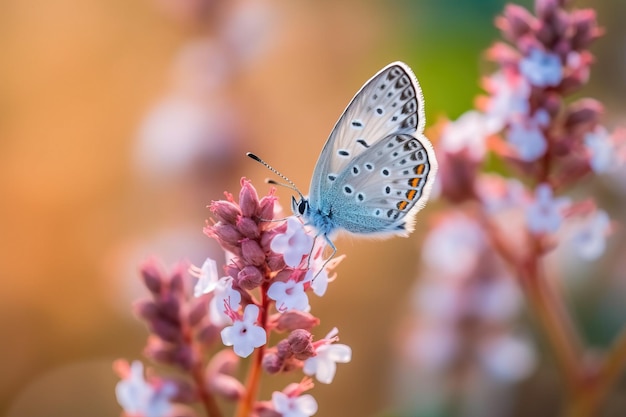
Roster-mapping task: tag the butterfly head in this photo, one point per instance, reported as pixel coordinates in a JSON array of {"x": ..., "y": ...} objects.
[{"x": 300, "y": 207}]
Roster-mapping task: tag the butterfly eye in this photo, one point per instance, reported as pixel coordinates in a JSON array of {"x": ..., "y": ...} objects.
[{"x": 302, "y": 206}]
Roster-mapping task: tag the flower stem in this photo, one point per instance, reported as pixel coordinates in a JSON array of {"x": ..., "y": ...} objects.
[
  {"x": 244, "y": 409},
  {"x": 208, "y": 401}
]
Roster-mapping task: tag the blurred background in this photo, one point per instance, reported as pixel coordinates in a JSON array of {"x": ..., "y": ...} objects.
[{"x": 121, "y": 120}]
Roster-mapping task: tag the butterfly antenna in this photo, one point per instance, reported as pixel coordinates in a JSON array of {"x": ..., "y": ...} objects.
[{"x": 289, "y": 184}]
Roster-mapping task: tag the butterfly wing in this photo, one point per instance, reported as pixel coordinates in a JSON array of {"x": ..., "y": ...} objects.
[
  {"x": 390, "y": 102},
  {"x": 380, "y": 191}
]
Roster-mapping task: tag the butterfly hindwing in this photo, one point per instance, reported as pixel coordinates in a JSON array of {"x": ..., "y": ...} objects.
[
  {"x": 389, "y": 103},
  {"x": 380, "y": 191}
]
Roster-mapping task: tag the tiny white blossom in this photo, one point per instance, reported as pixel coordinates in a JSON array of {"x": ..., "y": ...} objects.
[
  {"x": 601, "y": 150},
  {"x": 289, "y": 295},
  {"x": 324, "y": 364},
  {"x": 302, "y": 406},
  {"x": 224, "y": 295},
  {"x": 508, "y": 358},
  {"x": 542, "y": 68},
  {"x": 468, "y": 133},
  {"x": 244, "y": 335},
  {"x": 589, "y": 237},
  {"x": 138, "y": 397},
  {"x": 544, "y": 214},
  {"x": 509, "y": 100},
  {"x": 294, "y": 243},
  {"x": 207, "y": 279},
  {"x": 527, "y": 139}
]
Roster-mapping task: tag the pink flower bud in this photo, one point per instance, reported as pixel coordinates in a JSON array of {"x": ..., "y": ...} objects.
[
  {"x": 275, "y": 262},
  {"x": 294, "y": 319},
  {"x": 248, "y": 228},
  {"x": 301, "y": 343},
  {"x": 516, "y": 22},
  {"x": 249, "y": 277},
  {"x": 283, "y": 349},
  {"x": 169, "y": 309},
  {"x": 185, "y": 392},
  {"x": 272, "y": 363},
  {"x": 251, "y": 252},
  {"x": 177, "y": 281},
  {"x": 166, "y": 331},
  {"x": 265, "y": 409},
  {"x": 582, "y": 116},
  {"x": 225, "y": 211},
  {"x": 585, "y": 28},
  {"x": 226, "y": 234},
  {"x": 248, "y": 199},
  {"x": 146, "y": 309},
  {"x": 208, "y": 334},
  {"x": 266, "y": 206}
]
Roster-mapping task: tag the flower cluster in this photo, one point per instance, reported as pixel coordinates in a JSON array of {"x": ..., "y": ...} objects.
[
  {"x": 272, "y": 268},
  {"x": 528, "y": 124}
]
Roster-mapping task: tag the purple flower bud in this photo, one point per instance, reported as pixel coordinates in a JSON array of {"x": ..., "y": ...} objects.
[
  {"x": 226, "y": 234},
  {"x": 585, "y": 28},
  {"x": 301, "y": 343},
  {"x": 166, "y": 331},
  {"x": 294, "y": 319},
  {"x": 225, "y": 211},
  {"x": 275, "y": 262},
  {"x": 249, "y": 277},
  {"x": 582, "y": 116},
  {"x": 177, "y": 281},
  {"x": 208, "y": 334},
  {"x": 232, "y": 270},
  {"x": 223, "y": 362},
  {"x": 152, "y": 276},
  {"x": 283, "y": 349},
  {"x": 251, "y": 252},
  {"x": 248, "y": 199},
  {"x": 169, "y": 309},
  {"x": 185, "y": 392},
  {"x": 248, "y": 228},
  {"x": 226, "y": 387},
  {"x": 266, "y": 206},
  {"x": 146, "y": 310},
  {"x": 197, "y": 310},
  {"x": 272, "y": 363},
  {"x": 516, "y": 22}
]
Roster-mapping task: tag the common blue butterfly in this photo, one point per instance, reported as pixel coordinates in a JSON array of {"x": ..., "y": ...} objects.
[{"x": 377, "y": 168}]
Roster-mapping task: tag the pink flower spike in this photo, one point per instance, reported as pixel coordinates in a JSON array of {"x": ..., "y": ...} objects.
[
  {"x": 294, "y": 243},
  {"x": 138, "y": 397},
  {"x": 289, "y": 295},
  {"x": 244, "y": 335},
  {"x": 324, "y": 364},
  {"x": 544, "y": 215},
  {"x": 207, "y": 277},
  {"x": 541, "y": 68},
  {"x": 589, "y": 236},
  {"x": 302, "y": 406}
]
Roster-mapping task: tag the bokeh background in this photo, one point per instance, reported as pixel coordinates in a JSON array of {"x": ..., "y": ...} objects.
[{"x": 121, "y": 120}]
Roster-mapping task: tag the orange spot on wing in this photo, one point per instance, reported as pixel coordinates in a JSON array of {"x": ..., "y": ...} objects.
[
  {"x": 411, "y": 194},
  {"x": 402, "y": 205},
  {"x": 419, "y": 170}
]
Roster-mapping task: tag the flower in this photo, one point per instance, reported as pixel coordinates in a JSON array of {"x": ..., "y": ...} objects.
[
  {"x": 225, "y": 297},
  {"x": 138, "y": 397},
  {"x": 207, "y": 277},
  {"x": 294, "y": 243},
  {"x": 509, "y": 99},
  {"x": 288, "y": 406},
  {"x": 541, "y": 68},
  {"x": 244, "y": 335},
  {"x": 467, "y": 133},
  {"x": 527, "y": 139},
  {"x": 544, "y": 214},
  {"x": 289, "y": 295},
  {"x": 328, "y": 354},
  {"x": 507, "y": 357},
  {"x": 601, "y": 150},
  {"x": 589, "y": 236}
]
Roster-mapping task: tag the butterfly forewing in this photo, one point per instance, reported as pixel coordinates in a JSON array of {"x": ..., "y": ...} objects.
[{"x": 389, "y": 103}]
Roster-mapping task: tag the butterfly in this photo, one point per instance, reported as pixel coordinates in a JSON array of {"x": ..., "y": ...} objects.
[{"x": 376, "y": 169}]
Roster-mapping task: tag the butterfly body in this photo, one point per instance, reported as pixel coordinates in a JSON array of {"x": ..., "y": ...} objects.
[{"x": 376, "y": 169}]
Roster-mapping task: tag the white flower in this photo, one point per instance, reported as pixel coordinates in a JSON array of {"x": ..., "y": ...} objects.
[
  {"x": 542, "y": 68},
  {"x": 244, "y": 335},
  {"x": 508, "y": 358},
  {"x": 544, "y": 214},
  {"x": 294, "y": 243},
  {"x": 509, "y": 99},
  {"x": 453, "y": 247},
  {"x": 224, "y": 295},
  {"x": 324, "y": 363},
  {"x": 289, "y": 295},
  {"x": 468, "y": 133},
  {"x": 138, "y": 397},
  {"x": 527, "y": 139},
  {"x": 302, "y": 406},
  {"x": 207, "y": 278},
  {"x": 589, "y": 237},
  {"x": 601, "y": 150}
]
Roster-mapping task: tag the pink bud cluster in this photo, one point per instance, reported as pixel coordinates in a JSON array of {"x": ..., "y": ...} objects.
[{"x": 272, "y": 267}]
